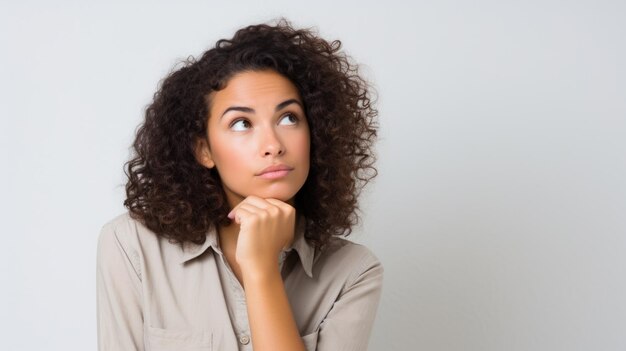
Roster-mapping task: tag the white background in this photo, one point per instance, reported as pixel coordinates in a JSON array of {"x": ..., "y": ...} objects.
[{"x": 500, "y": 209}]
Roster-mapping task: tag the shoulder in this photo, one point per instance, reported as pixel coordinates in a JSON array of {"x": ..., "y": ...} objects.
[
  {"x": 124, "y": 227},
  {"x": 349, "y": 251},
  {"x": 121, "y": 222},
  {"x": 121, "y": 229},
  {"x": 349, "y": 259},
  {"x": 126, "y": 235}
]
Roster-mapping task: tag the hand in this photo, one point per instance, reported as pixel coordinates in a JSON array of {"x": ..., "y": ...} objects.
[{"x": 266, "y": 227}]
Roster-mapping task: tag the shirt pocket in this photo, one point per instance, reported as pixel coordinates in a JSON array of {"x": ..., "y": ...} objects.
[
  {"x": 180, "y": 340},
  {"x": 310, "y": 341}
]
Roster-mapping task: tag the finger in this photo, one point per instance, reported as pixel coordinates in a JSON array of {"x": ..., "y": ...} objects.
[
  {"x": 284, "y": 207},
  {"x": 262, "y": 206},
  {"x": 256, "y": 201},
  {"x": 261, "y": 213},
  {"x": 249, "y": 207},
  {"x": 242, "y": 213}
]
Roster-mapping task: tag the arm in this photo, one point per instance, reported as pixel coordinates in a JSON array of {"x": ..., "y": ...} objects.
[
  {"x": 266, "y": 226},
  {"x": 349, "y": 323},
  {"x": 269, "y": 313},
  {"x": 118, "y": 291}
]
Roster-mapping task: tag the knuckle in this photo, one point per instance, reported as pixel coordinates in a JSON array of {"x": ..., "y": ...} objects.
[
  {"x": 290, "y": 210},
  {"x": 274, "y": 210}
]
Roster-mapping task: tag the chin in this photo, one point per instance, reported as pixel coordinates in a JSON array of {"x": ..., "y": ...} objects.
[
  {"x": 279, "y": 193},
  {"x": 282, "y": 196}
]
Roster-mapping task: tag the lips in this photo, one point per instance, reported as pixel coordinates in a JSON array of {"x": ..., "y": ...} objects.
[{"x": 275, "y": 171}]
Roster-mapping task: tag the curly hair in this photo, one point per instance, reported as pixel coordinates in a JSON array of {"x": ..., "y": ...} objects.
[{"x": 176, "y": 197}]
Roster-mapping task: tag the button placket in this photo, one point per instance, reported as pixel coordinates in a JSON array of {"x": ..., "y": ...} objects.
[{"x": 236, "y": 300}]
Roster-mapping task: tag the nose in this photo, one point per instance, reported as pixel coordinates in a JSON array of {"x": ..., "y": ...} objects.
[{"x": 271, "y": 144}]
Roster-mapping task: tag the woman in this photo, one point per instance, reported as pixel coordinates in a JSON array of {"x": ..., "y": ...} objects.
[{"x": 247, "y": 170}]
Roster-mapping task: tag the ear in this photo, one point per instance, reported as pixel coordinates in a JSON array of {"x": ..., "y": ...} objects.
[{"x": 203, "y": 153}]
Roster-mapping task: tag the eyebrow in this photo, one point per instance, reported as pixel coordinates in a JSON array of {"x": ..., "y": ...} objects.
[{"x": 279, "y": 107}]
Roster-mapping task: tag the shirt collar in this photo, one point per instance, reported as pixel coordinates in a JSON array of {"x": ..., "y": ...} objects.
[{"x": 305, "y": 250}]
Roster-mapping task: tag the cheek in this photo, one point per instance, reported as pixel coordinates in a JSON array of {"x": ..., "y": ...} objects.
[
  {"x": 233, "y": 161},
  {"x": 227, "y": 154},
  {"x": 301, "y": 150},
  {"x": 304, "y": 146}
]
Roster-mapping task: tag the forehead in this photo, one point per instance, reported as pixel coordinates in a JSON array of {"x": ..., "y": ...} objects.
[{"x": 250, "y": 88}]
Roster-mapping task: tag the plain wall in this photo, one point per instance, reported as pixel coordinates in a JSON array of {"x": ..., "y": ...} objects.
[{"x": 499, "y": 209}]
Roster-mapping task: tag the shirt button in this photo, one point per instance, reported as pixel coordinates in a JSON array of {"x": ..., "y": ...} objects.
[{"x": 244, "y": 339}]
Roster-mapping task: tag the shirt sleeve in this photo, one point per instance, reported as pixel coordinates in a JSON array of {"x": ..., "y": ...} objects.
[
  {"x": 349, "y": 323},
  {"x": 118, "y": 295}
]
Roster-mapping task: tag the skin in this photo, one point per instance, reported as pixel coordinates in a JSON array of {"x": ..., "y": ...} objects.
[{"x": 257, "y": 121}]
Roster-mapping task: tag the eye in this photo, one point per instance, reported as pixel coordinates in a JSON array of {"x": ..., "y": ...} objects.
[
  {"x": 288, "y": 119},
  {"x": 240, "y": 125}
]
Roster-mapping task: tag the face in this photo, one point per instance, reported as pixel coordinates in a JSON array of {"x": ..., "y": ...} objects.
[{"x": 258, "y": 137}]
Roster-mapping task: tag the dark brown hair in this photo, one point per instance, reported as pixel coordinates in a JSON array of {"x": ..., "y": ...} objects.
[{"x": 173, "y": 195}]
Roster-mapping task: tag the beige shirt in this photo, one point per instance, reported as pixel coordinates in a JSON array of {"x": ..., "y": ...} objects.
[{"x": 155, "y": 295}]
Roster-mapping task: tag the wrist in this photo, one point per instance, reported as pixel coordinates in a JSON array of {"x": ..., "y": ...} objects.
[{"x": 260, "y": 273}]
